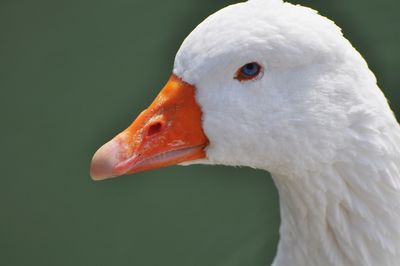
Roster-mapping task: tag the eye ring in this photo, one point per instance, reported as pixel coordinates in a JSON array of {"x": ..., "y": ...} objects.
[{"x": 249, "y": 71}]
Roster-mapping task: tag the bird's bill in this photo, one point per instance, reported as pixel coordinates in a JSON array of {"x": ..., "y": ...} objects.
[{"x": 168, "y": 132}]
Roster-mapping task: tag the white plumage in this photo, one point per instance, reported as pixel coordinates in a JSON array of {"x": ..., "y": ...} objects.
[{"x": 316, "y": 120}]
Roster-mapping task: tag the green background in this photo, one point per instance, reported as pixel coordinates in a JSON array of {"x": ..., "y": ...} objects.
[{"x": 75, "y": 73}]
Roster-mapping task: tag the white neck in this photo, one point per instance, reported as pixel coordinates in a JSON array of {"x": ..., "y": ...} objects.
[{"x": 348, "y": 215}]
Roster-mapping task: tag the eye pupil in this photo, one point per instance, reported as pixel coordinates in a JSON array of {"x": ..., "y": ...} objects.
[
  {"x": 248, "y": 71},
  {"x": 250, "y": 66}
]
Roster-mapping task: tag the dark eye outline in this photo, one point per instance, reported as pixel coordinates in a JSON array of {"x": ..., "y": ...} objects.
[{"x": 241, "y": 76}]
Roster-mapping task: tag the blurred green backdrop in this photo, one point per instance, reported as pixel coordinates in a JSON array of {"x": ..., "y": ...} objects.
[{"x": 75, "y": 73}]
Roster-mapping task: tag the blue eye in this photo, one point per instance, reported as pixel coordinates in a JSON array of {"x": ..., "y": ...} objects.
[{"x": 248, "y": 71}]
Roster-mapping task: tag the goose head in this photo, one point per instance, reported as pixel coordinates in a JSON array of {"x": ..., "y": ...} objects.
[
  {"x": 274, "y": 86},
  {"x": 263, "y": 84}
]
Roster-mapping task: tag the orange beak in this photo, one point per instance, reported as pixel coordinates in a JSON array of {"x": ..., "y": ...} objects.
[{"x": 168, "y": 132}]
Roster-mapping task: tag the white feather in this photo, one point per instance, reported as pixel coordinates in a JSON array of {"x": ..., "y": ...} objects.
[{"x": 315, "y": 119}]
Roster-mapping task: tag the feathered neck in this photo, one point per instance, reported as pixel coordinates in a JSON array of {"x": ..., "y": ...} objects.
[{"x": 347, "y": 214}]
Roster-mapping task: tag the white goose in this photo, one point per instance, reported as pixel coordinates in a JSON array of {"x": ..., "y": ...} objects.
[{"x": 275, "y": 86}]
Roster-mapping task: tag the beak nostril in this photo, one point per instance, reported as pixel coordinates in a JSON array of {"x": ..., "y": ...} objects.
[{"x": 154, "y": 129}]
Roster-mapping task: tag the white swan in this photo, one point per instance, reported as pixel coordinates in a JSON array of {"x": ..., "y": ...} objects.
[{"x": 275, "y": 86}]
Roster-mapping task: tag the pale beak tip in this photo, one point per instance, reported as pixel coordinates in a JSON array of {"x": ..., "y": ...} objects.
[
  {"x": 96, "y": 174},
  {"x": 103, "y": 162}
]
